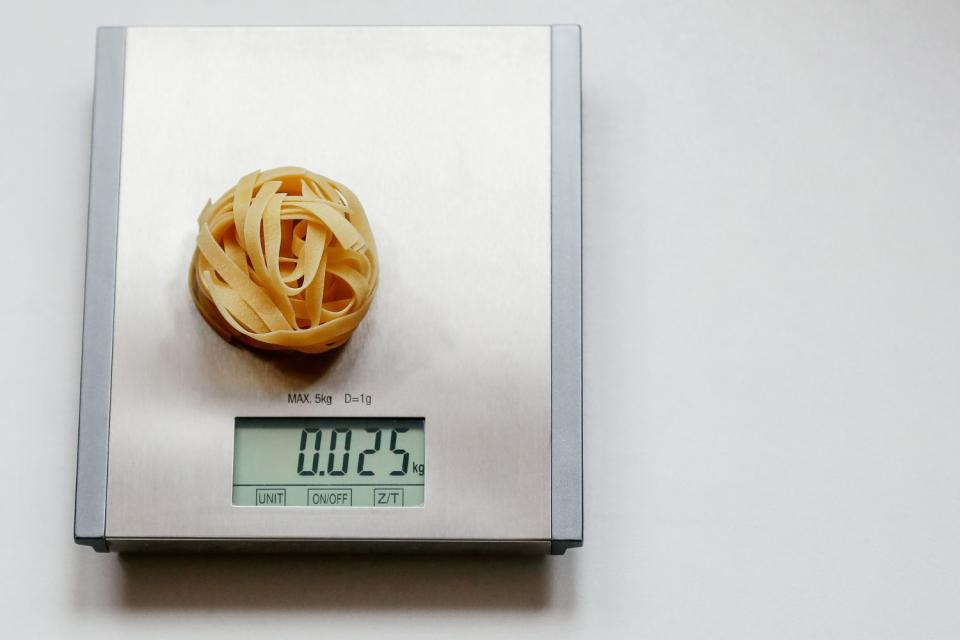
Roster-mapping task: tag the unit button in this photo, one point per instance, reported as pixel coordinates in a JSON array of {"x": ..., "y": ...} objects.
[
  {"x": 330, "y": 497},
  {"x": 271, "y": 497}
]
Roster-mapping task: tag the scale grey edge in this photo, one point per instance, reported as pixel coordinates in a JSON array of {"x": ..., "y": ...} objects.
[
  {"x": 340, "y": 546},
  {"x": 566, "y": 324},
  {"x": 89, "y": 527}
]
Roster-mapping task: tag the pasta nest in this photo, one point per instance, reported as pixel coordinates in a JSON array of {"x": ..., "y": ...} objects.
[{"x": 285, "y": 260}]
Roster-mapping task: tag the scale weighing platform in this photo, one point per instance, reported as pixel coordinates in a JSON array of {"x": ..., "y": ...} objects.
[{"x": 427, "y": 397}]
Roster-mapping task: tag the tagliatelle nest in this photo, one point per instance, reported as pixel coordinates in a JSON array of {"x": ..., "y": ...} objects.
[{"x": 285, "y": 260}]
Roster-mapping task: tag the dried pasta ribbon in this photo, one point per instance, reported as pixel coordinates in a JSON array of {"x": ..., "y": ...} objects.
[{"x": 285, "y": 260}]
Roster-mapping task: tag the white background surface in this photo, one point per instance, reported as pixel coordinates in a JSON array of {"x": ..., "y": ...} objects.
[{"x": 772, "y": 353}]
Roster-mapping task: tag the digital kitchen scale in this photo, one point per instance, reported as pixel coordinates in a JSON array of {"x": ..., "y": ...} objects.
[{"x": 450, "y": 418}]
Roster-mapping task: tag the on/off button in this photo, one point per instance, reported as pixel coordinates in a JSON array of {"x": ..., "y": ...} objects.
[{"x": 330, "y": 497}]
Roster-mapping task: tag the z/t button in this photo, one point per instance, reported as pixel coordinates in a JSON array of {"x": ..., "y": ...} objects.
[{"x": 388, "y": 497}]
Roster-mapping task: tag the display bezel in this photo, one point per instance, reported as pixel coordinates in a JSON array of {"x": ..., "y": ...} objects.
[{"x": 342, "y": 473}]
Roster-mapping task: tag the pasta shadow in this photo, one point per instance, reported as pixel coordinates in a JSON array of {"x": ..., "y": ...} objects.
[
  {"x": 298, "y": 368},
  {"x": 322, "y": 582}
]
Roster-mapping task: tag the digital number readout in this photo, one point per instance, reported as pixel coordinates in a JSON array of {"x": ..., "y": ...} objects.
[
  {"x": 337, "y": 452},
  {"x": 328, "y": 462}
]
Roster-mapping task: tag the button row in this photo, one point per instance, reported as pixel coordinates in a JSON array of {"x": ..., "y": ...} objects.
[{"x": 329, "y": 497}]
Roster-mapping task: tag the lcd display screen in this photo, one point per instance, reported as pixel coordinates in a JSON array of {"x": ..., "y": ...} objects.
[{"x": 328, "y": 462}]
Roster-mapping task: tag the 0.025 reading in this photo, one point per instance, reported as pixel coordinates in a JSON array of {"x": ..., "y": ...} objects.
[{"x": 338, "y": 452}]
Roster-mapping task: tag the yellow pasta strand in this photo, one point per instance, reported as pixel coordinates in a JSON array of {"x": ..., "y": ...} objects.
[{"x": 285, "y": 260}]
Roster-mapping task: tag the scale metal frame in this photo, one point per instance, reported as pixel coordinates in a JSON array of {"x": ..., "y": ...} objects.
[{"x": 540, "y": 510}]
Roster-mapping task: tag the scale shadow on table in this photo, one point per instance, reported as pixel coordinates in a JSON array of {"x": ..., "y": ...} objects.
[{"x": 319, "y": 582}]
